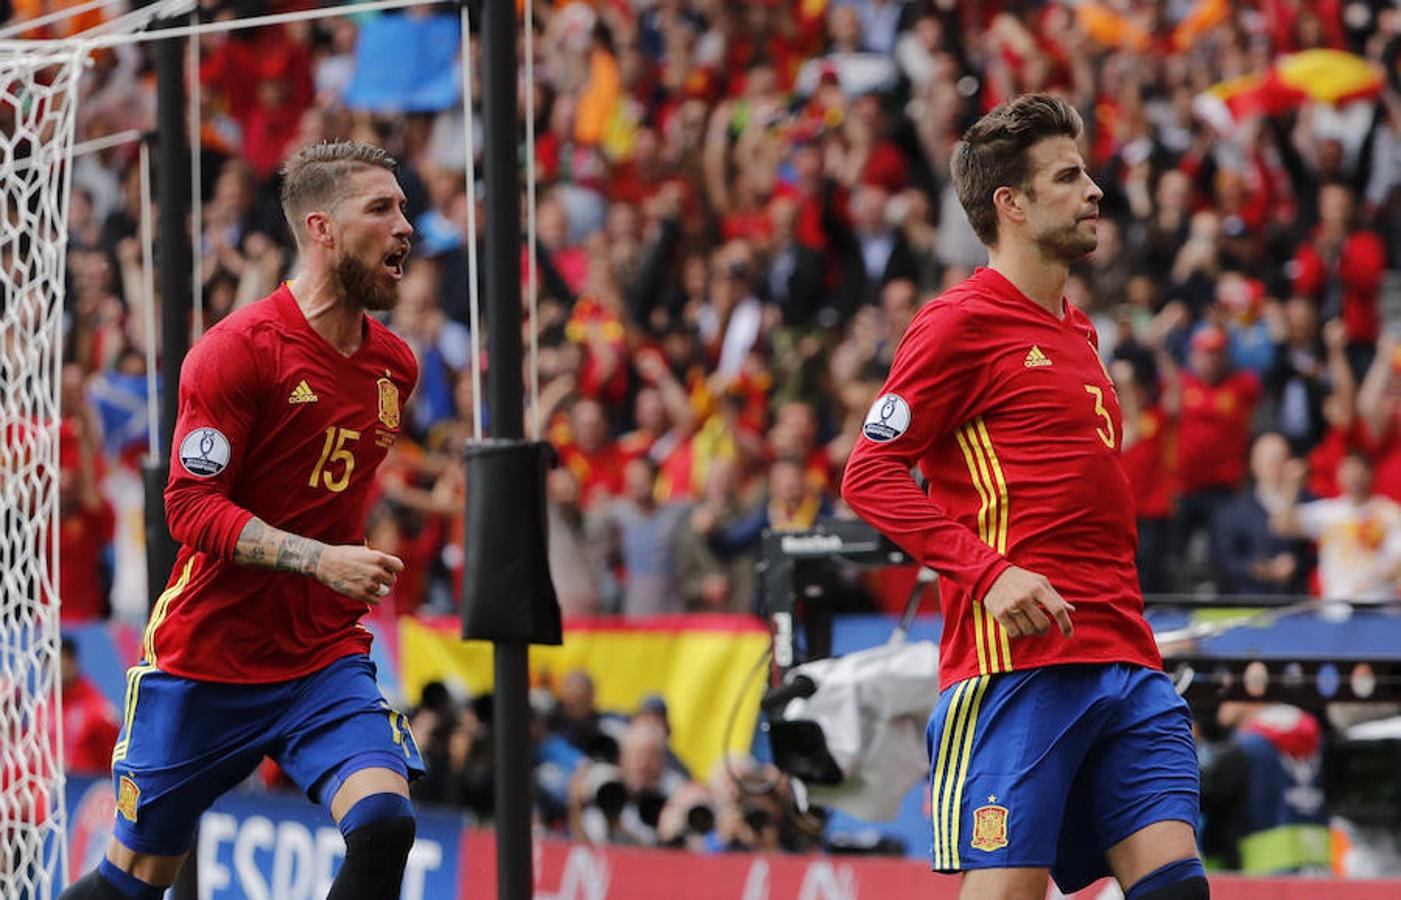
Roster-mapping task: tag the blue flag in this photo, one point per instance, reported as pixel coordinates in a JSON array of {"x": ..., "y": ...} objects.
[
  {"x": 121, "y": 401},
  {"x": 406, "y": 64}
]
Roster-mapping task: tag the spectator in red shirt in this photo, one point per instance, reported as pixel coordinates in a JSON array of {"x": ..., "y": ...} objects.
[
  {"x": 90, "y": 724},
  {"x": 1340, "y": 267},
  {"x": 593, "y": 458},
  {"x": 1148, "y": 426},
  {"x": 661, "y": 411},
  {"x": 1213, "y": 441},
  {"x": 552, "y": 232},
  {"x": 86, "y": 520},
  {"x": 266, "y": 83}
]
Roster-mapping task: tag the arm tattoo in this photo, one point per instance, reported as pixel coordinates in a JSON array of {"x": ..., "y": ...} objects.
[
  {"x": 252, "y": 548},
  {"x": 299, "y": 554},
  {"x": 264, "y": 547}
]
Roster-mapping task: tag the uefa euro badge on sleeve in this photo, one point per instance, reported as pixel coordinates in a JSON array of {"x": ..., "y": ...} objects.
[
  {"x": 388, "y": 403},
  {"x": 990, "y": 826},
  {"x": 888, "y": 418},
  {"x": 204, "y": 452}
]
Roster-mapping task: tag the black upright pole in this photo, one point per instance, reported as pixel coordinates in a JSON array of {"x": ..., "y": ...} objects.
[
  {"x": 173, "y": 267},
  {"x": 504, "y": 397}
]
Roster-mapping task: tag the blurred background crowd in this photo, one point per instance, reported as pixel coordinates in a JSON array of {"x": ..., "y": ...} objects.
[{"x": 740, "y": 208}]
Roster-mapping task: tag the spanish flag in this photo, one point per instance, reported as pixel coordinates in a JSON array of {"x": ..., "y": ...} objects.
[
  {"x": 702, "y": 664},
  {"x": 1323, "y": 76}
]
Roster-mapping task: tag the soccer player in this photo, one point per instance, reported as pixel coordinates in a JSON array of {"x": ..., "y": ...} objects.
[
  {"x": 255, "y": 649},
  {"x": 1058, "y": 746}
]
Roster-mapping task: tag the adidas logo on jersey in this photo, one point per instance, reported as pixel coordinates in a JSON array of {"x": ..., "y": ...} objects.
[
  {"x": 1035, "y": 357},
  {"x": 303, "y": 393}
]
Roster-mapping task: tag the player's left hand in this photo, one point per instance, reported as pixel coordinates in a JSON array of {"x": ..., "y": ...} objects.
[{"x": 1025, "y": 603}]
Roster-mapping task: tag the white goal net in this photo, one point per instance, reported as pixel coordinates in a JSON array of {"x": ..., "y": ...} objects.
[{"x": 37, "y": 101}]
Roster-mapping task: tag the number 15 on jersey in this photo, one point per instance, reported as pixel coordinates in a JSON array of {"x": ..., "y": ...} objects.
[{"x": 335, "y": 453}]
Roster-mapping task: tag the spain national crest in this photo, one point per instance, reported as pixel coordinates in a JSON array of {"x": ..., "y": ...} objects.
[
  {"x": 388, "y": 403},
  {"x": 989, "y": 828},
  {"x": 128, "y": 795}
]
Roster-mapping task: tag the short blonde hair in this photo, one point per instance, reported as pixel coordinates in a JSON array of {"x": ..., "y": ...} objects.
[{"x": 311, "y": 178}]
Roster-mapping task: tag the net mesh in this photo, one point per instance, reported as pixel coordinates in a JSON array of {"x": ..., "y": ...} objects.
[{"x": 37, "y": 102}]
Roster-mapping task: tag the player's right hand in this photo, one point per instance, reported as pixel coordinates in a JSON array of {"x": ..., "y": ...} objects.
[
  {"x": 1022, "y": 600},
  {"x": 358, "y": 572}
]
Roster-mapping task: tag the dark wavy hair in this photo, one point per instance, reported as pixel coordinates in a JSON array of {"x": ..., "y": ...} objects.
[{"x": 995, "y": 152}]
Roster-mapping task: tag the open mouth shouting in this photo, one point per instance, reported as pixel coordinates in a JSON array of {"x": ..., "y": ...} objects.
[{"x": 394, "y": 262}]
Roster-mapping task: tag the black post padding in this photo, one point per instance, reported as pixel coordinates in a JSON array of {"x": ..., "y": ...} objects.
[
  {"x": 161, "y": 548},
  {"x": 507, "y": 592}
]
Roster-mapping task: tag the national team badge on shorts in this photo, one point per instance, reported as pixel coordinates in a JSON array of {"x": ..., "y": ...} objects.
[
  {"x": 989, "y": 827},
  {"x": 128, "y": 795},
  {"x": 388, "y": 403}
]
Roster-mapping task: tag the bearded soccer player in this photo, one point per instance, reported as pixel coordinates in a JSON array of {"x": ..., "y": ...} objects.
[
  {"x": 1058, "y": 746},
  {"x": 255, "y": 647}
]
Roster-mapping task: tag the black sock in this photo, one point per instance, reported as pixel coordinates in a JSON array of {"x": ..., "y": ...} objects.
[
  {"x": 375, "y": 855},
  {"x": 93, "y": 886}
]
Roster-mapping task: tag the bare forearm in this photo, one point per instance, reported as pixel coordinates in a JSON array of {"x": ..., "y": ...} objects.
[
  {"x": 677, "y": 403},
  {"x": 427, "y": 501},
  {"x": 264, "y": 547}
]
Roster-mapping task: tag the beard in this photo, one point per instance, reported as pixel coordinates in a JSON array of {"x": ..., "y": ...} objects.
[
  {"x": 368, "y": 287},
  {"x": 1066, "y": 244}
]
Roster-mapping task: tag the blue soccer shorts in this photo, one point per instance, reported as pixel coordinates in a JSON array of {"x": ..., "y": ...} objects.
[
  {"x": 184, "y": 742},
  {"x": 1051, "y": 767}
]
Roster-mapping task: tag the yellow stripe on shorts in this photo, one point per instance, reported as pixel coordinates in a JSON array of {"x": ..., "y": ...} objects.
[
  {"x": 133, "y": 688},
  {"x": 951, "y": 768}
]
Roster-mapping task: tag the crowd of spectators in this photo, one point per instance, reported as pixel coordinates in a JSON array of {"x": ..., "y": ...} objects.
[
  {"x": 607, "y": 777},
  {"x": 741, "y": 207}
]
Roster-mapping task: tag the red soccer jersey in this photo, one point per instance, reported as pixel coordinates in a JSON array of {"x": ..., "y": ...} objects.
[
  {"x": 90, "y": 729},
  {"x": 1146, "y": 465},
  {"x": 600, "y": 473},
  {"x": 1012, "y": 419},
  {"x": 83, "y": 536},
  {"x": 1213, "y": 431},
  {"x": 276, "y": 423}
]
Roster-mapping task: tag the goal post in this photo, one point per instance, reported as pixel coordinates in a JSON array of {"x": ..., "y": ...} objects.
[{"x": 38, "y": 96}]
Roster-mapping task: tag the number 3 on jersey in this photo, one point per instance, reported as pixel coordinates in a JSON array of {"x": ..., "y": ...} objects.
[
  {"x": 1106, "y": 433},
  {"x": 334, "y": 452}
]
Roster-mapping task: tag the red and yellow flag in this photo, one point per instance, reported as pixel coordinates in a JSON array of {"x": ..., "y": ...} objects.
[
  {"x": 1323, "y": 76},
  {"x": 699, "y": 663}
]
